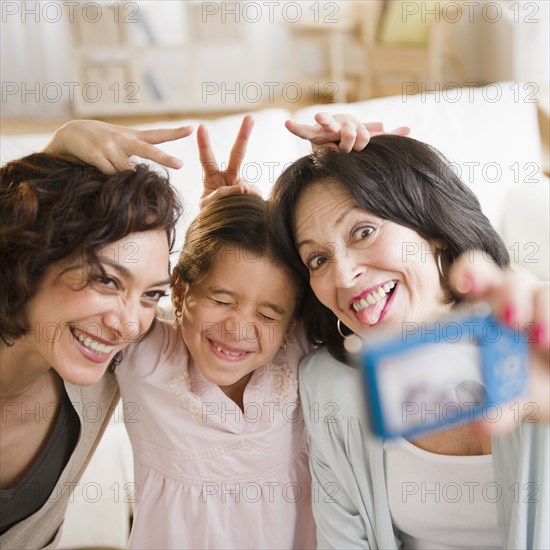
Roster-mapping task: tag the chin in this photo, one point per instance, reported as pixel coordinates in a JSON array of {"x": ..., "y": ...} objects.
[
  {"x": 209, "y": 376},
  {"x": 83, "y": 375}
]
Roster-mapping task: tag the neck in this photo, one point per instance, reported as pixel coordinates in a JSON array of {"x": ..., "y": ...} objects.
[
  {"x": 21, "y": 367},
  {"x": 235, "y": 392}
]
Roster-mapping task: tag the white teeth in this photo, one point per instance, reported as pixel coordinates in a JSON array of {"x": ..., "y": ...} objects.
[
  {"x": 371, "y": 300},
  {"x": 373, "y": 297},
  {"x": 229, "y": 353},
  {"x": 94, "y": 346}
]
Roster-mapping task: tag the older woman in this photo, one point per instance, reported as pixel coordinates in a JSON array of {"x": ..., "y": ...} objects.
[
  {"x": 85, "y": 260},
  {"x": 381, "y": 236}
]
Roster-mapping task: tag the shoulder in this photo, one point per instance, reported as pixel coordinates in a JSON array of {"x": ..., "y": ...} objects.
[
  {"x": 94, "y": 405},
  {"x": 163, "y": 343},
  {"x": 104, "y": 393},
  {"x": 324, "y": 379},
  {"x": 319, "y": 369}
]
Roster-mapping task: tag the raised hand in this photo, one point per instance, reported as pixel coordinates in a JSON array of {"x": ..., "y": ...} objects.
[
  {"x": 110, "y": 147},
  {"x": 342, "y": 132},
  {"x": 218, "y": 183},
  {"x": 522, "y": 303}
]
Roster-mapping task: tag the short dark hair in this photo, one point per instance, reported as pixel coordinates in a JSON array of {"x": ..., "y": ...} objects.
[
  {"x": 396, "y": 178},
  {"x": 53, "y": 209},
  {"x": 235, "y": 220}
]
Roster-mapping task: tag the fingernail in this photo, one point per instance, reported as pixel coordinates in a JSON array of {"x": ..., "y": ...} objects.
[
  {"x": 542, "y": 335},
  {"x": 509, "y": 314},
  {"x": 465, "y": 284}
]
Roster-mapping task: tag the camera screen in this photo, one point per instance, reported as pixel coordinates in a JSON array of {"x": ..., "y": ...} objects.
[{"x": 430, "y": 384}]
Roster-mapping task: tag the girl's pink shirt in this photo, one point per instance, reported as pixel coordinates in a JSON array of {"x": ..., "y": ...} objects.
[{"x": 208, "y": 475}]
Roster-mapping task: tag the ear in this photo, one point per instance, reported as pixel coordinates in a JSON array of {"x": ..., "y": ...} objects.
[{"x": 289, "y": 328}]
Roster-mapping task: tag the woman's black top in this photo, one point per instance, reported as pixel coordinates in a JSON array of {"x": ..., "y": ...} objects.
[{"x": 39, "y": 483}]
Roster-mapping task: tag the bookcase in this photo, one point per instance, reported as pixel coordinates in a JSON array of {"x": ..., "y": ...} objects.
[{"x": 131, "y": 58}]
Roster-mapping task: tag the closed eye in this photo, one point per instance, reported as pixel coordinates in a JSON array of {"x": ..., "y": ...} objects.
[
  {"x": 267, "y": 318},
  {"x": 221, "y": 303}
]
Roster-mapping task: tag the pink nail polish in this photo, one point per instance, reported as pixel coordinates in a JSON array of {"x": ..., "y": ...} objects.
[
  {"x": 509, "y": 314},
  {"x": 541, "y": 335}
]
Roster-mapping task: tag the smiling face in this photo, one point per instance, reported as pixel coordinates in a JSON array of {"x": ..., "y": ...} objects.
[
  {"x": 77, "y": 328},
  {"x": 367, "y": 270},
  {"x": 235, "y": 318}
]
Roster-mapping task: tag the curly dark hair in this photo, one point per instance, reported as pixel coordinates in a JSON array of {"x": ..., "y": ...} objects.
[
  {"x": 53, "y": 209},
  {"x": 239, "y": 221},
  {"x": 396, "y": 178}
]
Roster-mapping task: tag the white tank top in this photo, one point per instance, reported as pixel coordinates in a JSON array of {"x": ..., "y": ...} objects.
[{"x": 439, "y": 501}]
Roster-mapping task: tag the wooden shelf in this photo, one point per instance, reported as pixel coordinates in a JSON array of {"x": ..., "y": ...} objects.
[{"x": 118, "y": 70}]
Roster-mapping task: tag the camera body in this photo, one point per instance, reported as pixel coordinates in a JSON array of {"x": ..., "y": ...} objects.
[{"x": 443, "y": 374}]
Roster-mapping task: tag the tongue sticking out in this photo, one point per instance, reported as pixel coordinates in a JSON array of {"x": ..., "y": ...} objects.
[{"x": 371, "y": 315}]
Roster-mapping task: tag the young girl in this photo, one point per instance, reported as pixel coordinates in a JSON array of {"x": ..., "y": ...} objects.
[{"x": 219, "y": 442}]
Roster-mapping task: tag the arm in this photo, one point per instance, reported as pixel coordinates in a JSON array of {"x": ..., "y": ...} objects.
[
  {"x": 339, "y": 522},
  {"x": 342, "y": 132},
  {"x": 347, "y": 468},
  {"x": 109, "y": 147}
]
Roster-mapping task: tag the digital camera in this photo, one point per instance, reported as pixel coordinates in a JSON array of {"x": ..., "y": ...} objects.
[{"x": 438, "y": 375}]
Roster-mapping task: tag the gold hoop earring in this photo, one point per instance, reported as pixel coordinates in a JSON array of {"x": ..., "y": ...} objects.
[
  {"x": 440, "y": 266},
  {"x": 352, "y": 342},
  {"x": 339, "y": 329}
]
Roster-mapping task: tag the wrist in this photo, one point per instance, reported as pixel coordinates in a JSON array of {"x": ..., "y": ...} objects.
[{"x": 55, "y": 144}]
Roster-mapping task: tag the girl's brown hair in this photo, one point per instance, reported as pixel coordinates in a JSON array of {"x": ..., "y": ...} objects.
[{"x": 237, "y": 223}]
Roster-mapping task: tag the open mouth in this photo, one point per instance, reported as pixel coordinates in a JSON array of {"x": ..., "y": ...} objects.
[
  {"x": 371, "y": 308},
  {"x": 91, "y": 347},
  {"x": 227, "y": 353}
]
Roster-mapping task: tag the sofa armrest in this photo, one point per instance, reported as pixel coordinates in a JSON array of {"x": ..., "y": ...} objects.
[{"x": 526, "y": 227}]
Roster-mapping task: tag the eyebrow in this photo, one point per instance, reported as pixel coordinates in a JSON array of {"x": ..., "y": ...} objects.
[
  {"x": 274, "y": 307},
  {"x": 338, "y": 221},
  {"x": 125, "y": 272}
]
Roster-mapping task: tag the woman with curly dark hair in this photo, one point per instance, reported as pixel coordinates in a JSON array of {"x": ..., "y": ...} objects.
[{"x": 84, "y": 260}]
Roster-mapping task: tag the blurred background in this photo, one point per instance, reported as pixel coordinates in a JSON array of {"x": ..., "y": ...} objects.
[
  {"x": 113, "y": 59},
  {"x": 132, "y": 62}
]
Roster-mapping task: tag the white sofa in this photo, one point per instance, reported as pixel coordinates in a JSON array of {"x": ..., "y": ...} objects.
[{"x": 490, "y": 135}]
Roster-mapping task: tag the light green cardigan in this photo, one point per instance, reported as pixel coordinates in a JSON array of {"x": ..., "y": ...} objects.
[{"x": 347, "y": 464}]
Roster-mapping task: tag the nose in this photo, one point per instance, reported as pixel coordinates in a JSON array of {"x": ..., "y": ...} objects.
[
  {"x": 240, "y": 326},
  {"x": 125, "y": 321},
  {"x": 346, "y": 268}
]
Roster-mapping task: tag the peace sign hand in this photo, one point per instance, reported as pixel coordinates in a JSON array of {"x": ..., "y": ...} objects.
[{"x": 218, "y": 183}]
